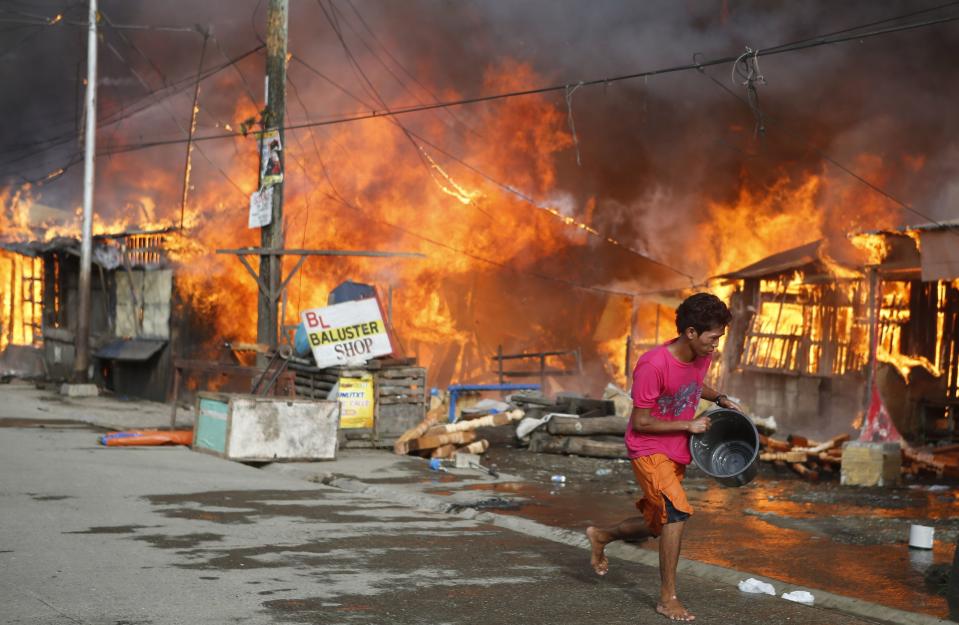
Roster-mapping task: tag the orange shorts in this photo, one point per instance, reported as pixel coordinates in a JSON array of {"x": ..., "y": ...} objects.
[{"x": 661, "y": 480}]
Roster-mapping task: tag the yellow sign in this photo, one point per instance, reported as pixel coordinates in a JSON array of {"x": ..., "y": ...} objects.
[{"x": 356, "y": 402}]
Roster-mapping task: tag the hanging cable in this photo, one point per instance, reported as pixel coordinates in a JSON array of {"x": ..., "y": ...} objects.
[{"x": 570, "y": 90}]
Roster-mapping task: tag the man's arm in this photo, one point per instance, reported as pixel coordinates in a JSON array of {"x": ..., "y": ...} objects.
[
  {"x": 711, "y": 394},
  {"x": 642, "y": 421}
]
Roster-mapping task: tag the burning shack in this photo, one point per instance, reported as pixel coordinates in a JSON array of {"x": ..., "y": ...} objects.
[
  {"x": 814, "y": 340},
  {"x": 132, "y": 295},
  {"x": 796, "y": 346},
  {"x": 914, "y": 285}
]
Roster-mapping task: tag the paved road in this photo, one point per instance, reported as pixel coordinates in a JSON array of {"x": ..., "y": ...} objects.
[{"x": 102, "y": 536}]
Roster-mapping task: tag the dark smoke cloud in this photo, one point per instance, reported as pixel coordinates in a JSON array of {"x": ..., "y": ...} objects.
[{"x": 653, "y": 152}]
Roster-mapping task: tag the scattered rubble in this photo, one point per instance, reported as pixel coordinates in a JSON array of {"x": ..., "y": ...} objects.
[{"x": 811, "y": 459}]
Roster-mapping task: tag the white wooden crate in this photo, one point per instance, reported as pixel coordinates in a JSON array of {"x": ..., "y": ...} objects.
[{"x": 265, "y": 429}]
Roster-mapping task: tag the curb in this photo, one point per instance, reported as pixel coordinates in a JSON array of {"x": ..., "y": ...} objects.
[{"x": 711, "y": 572}]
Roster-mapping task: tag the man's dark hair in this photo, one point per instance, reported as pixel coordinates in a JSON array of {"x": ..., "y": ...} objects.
[{"x": 702, "y": 311}]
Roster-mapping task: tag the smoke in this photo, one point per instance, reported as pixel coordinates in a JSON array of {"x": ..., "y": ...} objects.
[{"x": 670, "y": 166}]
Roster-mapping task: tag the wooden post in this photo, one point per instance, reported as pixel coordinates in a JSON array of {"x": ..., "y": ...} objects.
[
  {"x": 779, "y": 314},
  {"x": 271, "y": 235},
  {"x": 873, "y": 297},
  {"x": 13, "y": 299},
  {"x": 193, "y": 115},
  {"x": 499, "y": 359}
]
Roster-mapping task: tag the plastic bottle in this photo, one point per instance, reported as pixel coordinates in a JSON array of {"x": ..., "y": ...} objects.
[
  {"x": 559, "y": 479},
  {"x": 603, "y": 471}
]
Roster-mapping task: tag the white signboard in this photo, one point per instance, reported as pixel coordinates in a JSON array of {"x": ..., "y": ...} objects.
[
  {"x": 347, "y": 333},
  {"x": 261, "y": 208}
]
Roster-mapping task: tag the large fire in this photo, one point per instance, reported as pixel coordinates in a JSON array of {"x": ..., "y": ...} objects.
[{"x": 501, "y": 268}]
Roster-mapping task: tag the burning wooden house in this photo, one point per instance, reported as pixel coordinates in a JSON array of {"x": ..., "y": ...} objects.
[
  {"x": 132, "y": 294},
  {"x": 812, "y": 337}
]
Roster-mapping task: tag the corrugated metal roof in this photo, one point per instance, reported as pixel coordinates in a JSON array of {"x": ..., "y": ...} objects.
[
  {"x": 130, "y": 350},
  {"x": 788, "y": 260},
  {"x": 946, "y": 224}
]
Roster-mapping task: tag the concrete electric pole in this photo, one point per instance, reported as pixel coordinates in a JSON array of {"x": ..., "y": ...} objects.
[
  {"x": 81, "y": 362},
  {"x": 271, "y": 235}
]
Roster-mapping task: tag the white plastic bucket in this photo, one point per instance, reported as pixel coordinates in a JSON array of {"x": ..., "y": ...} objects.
[{"x": 920, "y": 536}]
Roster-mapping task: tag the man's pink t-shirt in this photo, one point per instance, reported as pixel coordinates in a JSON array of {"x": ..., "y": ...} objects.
[{"x": 671, "y": 390}]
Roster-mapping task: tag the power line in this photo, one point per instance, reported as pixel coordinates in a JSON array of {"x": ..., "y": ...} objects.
[
  {"x": 338, "y": 198},
  {"x": 164, "y": 102},
  {"x": 826, "y": 157},
  {"x": 151, "y": 98},
  {"x": 372, "y": 90},
  {"x": 874, "y": 23},
  {"x": 502, "y": 185},
  {"x": 30, "y": 35},
  {"x": 811, "y": 43},
  {"x": 396, "y": 61}
]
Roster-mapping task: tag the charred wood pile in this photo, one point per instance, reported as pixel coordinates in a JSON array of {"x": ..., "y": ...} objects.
[
  {"x": 812, "y": 460},
  {"x": 572, "y": 426},
  {"x": 808, "y": 459},
  {"x": 941, "y": 461},
  {"x": 564, "y": 425},
  {"x": 434, "y": 439}
]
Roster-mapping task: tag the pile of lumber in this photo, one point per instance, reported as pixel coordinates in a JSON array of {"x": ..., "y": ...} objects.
[
  {"x": 807, "y": 458},
  {"x": 578, "y": 426},
  {"x": 811, "y": 459},
  {"x": 434, "y": 439},
  {"x": 941, "y": 461}
]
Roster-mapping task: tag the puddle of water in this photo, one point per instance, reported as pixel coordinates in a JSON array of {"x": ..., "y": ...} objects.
[
  {"x": 813, "y": 545},
  {"x": 110, "y": 529}
]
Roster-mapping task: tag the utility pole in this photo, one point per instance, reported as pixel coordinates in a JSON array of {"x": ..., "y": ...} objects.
[
  {"x": 81, "y": 361},
  {"x": 271, "y": 235}
]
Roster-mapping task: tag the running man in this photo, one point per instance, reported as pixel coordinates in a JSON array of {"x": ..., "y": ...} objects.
[{"x": 667, "y": 386}]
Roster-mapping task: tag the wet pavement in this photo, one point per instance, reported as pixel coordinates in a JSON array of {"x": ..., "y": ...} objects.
[
  {"x": 109, "y": 535},
  {"x": 96, "y": 535},
  {"x": 848, "y": 541}
]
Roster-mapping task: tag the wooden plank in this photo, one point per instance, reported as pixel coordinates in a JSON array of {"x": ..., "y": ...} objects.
[
  {"x": 400, "y": 390},
  {"x": 541, "y": 442},
  {"x": 805, "y": 472},
  {"x": 313, "y": 383},
  {"x": 398, "y": 398},
  {"x": 404, "y": 381},
  {"x": 493, "y": 420},
  {"x": 783, "y": 456},
  {"x": 477, "y": 447},
  {"x": 403, "y": 372},
  {"x": 432, "y": 418},
  {"x": 773, "y": 444},
  {"x": 432, "y": 442},
  {"x": 444, "y": 451},
  {"x": 572, "y": 426},
  {"x": 305, "y": 391}
]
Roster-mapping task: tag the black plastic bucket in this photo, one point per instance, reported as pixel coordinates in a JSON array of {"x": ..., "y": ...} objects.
[{"x": 729, "y": 450}]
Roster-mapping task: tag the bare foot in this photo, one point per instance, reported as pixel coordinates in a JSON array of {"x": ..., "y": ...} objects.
[
  {"x": 674, "y": 610},
  {"x": 598, "y": 558}
]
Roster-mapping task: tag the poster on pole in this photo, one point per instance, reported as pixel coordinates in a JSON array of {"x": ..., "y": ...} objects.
[
  {"x": 271, "y": 167},
  {"x": 261, "y": 208},
  {"x": 350, "y": 333}
]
